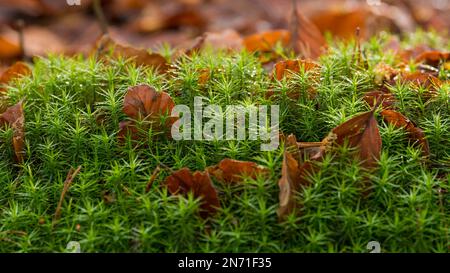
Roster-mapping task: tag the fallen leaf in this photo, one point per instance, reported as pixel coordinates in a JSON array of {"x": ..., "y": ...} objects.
[
  {"x": 157, "y": 17},
  {"x": 139, "y": 56},
  {"x": 386, "y": 99},
  {"x": 144, "y": 103},
  {"x": 282, "y": 68},
  {"x": 306, "y": 38},
  {"x": 362, "y": 133},
  {"x": 15, "y": 71},
  {"x": 433, "y": 57},
  {"x": 14, "y": 117},
  {"x": 199, "y": 183},
  {"x": 228, "y": 39},
  {"x": 9, "y": 49},
  {"x": 233, "y": 171},
  {"x": 341, "y": 23},
  {"x": 415, "y": 134},
  {"x": 266, "y": 41},
  {"x": 293, "y": 177}
]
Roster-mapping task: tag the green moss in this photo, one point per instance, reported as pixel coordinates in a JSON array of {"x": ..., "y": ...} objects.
[{"x": 73, "y": 107}]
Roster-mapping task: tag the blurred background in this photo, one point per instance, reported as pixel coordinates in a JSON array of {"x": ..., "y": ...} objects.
[{"x": 35, "y": 27}]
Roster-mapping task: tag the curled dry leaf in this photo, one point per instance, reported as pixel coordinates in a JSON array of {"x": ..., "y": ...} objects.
[
  {"x": 139, "y": 56},
  {"x": 266, "y": 41},
  {"x": 16, "y": 70},
  {"x": 421, "y": 79},
  {"x": 14, "y": 117},
  {"x": 293, "y": 176},
  {"x": 306, "y": 38},
  {"x": 361, "y": 132},
  {"x": 144, "y": 103},
  {"x": 282, "y": 68},
  {"x": 233, "y": 171},
  {"x": 285, "y": 68},
  {"x": 386, "y": 99},
  {"x": 433, "y": 57},
  {"x": 415, "y": 134},
  {"x": 199, "y": 183}
]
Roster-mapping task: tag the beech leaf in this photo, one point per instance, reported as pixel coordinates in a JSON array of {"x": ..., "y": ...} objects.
[
  {"x": 293, "y": 177},
  {"x": 139, "y": 56},
  {"x": 14, "y": 117},
  {"x": 144, "y": 103},
  {"x": 415, "y": 134},
  {"x": 306, "y": 38},
  {"x": 15, "y": 71},
  {"x": 361, "y": 132},
  {"x": 199, "y": 183},
  {"x": 233, "y": 171}
]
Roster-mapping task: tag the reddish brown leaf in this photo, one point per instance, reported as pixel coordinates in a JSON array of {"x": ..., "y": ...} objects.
[
  {"x": 421, "y": 79},
  {"x": 9, "y": 49},
  {"x": 415, "y": 134},
  {"x": 293, "y": 177},
  {"x": 387, "y": 99},
  {"x": 15, "y": 71},
  {"x": 306, "y": 38},
  {"x": 14, "y": 117},
  {"x": 233, "y": 171},
  {"x": 266, "y": 41},
  {"x": 433, "y": 57},
  {"x": 139, "y": 56},
  {"x": 282, "y": 68},
  {"x": 128, "y": 127},
  {"x": 199, "y": 183},
  {"x": 361, "y": 132},
  {"x": 144, "y": 103},
  {"x": 342, "y": 23}
]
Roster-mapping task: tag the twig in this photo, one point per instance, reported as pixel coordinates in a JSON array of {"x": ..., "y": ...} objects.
[
  {"x": 100, "y": 16},
  {"x": 358, "y": 45},
  {"x": 69, "y": 179},
  {"x": 19, "y": 25},
  {"x": 293, "y": 26},
  {"x": 152, "y": 178}
]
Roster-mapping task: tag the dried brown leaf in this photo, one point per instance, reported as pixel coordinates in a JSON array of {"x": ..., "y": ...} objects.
[
  {"x": 416, "y": 135},
  {"x": 139, "y": 56},
  {"x": 199, "y": 183},
  {"x": 233, "y": 171},
  {"x": 14, "y": 117}
]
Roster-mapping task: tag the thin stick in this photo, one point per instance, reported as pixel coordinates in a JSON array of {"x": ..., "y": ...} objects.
[
  {"x": 152, "y": 178},
  {"x": 358, "y": 44},
  {"x": 20, "y": 24},
  {"x": 309, "y": 144},
  {"x": 69, "y": 179},
  {"x": 100, "y": 16},
  {"x": 293, "y": 26}
]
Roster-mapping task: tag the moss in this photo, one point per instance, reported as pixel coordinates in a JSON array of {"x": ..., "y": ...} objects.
[{"x": 73, "y": 107}]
